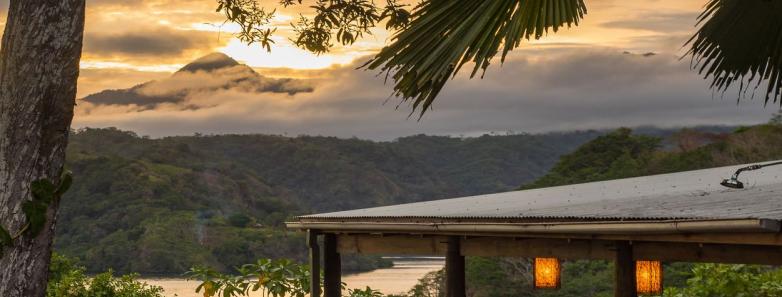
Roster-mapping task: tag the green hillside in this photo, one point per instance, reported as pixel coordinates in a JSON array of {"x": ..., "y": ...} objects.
[
  {"x": 621, "y": 154},
  {"x": 160, "y": 206}
]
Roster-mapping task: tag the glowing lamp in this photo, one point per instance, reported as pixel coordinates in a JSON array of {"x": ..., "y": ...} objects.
[
  {"x": 649, "y": 278},
  {"x": 546, "y": 273}
]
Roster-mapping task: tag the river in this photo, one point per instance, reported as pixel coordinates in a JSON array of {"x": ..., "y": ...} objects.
[{"x": 398, "y": 279}]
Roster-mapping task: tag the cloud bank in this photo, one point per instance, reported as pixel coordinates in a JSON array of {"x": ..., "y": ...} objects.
[
  {"x": 160, "y": 42},
  {"x": 187, "y": 88},
  {"x": 535, "y": 91}
]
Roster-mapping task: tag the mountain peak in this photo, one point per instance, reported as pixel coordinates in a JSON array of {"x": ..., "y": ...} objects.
[
  {"x": 210, "y": 62},
  {"x": 219, "y": 72}
]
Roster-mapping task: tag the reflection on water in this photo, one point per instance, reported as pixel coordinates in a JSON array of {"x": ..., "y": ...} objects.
[{"x": 398, "y": 279}]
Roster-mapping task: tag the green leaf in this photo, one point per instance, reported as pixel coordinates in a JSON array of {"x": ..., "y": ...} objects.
[
  {"x": 43, "y": 190},
  {"x": 446, "y": 35},
  {"x": 739, "y": 42},
  {"x": 36, "y": 216},
  {"x": 65, "y": 183}
]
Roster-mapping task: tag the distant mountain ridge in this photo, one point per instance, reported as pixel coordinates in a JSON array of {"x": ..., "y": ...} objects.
[{"x": 211, "y": 74}]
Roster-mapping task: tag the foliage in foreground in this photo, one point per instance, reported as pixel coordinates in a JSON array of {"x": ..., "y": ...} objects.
[
  {"x": 277, "y": 278},
  {"x": 274, "y": 278},
  {"x": 66, "y": 279},
  {"x": 719, "y": 280}
]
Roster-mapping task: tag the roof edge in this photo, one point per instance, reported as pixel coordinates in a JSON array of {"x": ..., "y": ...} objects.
[{"x": 611, "y": 227}]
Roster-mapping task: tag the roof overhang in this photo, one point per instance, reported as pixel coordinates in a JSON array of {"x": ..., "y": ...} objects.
[
  {"x": 519, "y": 229},
  {"x": 686, "y": 207}
]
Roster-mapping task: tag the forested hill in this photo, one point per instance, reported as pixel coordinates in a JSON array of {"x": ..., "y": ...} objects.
[
  {"x": 322, "y": 173},
  {"x": 159, "y": 206},
  {"x": 622, "y": 154}
]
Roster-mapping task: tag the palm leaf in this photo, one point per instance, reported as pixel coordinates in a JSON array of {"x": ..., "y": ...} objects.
[
  {"x": 446, "y": 34},
  {"x": 740, "y": 41}
]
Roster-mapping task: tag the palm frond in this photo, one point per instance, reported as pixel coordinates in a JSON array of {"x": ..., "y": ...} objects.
[
  {"x": 445, "y": 34},
  {"x": 740, "y": 41}
]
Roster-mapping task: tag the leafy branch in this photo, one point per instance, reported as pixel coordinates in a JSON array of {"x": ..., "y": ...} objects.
[
  {"x": 274, "y": 278},
  {"x": 44, "y": 192},
  {"x": 443, "y": 36},
  {"x": 346, "y": 20},
  {"x": 252, "y": 19},
  {"x": 739, "y": 42}
]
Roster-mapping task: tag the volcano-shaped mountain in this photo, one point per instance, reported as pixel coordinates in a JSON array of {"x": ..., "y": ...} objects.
[
  {"x": 210, "y": 62},
  {"x": 206, "y": 75}
]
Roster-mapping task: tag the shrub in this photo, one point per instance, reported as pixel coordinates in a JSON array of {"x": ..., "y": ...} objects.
[
  {"x": 275, "y": 278},
  {"x": 721, "y": 280},
  {"x": 68, "y": 280}
]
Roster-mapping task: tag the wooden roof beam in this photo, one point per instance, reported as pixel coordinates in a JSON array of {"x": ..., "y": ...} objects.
[{"x": 571, "y": 249}]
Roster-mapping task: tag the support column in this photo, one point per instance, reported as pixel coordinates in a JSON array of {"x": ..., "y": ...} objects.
[
  {"x": 454, "y": 269},
  {"x": 332, "y": 266},
  {"x": 624, "y": 271},
  {"x": 312, "y": 243}
]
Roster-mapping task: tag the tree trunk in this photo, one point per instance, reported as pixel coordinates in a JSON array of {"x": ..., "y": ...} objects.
[{"x": 39, "y": 65}]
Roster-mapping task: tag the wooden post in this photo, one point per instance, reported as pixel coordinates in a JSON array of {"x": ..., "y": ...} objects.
[
  {"x": 332, "y": 266},
  {"x": 312, "y": 243},
  {"x": 454, "y": 269},
  {"x": 624, "y": 271}
]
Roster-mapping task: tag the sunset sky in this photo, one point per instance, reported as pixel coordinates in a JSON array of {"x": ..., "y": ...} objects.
[{"x": 592, "y": 76}]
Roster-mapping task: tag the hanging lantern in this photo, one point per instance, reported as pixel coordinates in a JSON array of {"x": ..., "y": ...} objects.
[
  {"x": 546, "y": 273},
  {"x": 649, "y": 278}
]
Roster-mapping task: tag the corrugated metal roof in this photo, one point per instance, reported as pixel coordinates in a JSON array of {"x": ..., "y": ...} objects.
[{"x": 692, "y": 195}]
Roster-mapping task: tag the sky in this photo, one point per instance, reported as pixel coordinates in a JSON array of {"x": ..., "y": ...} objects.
[{"x": 621, "y": 66}]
